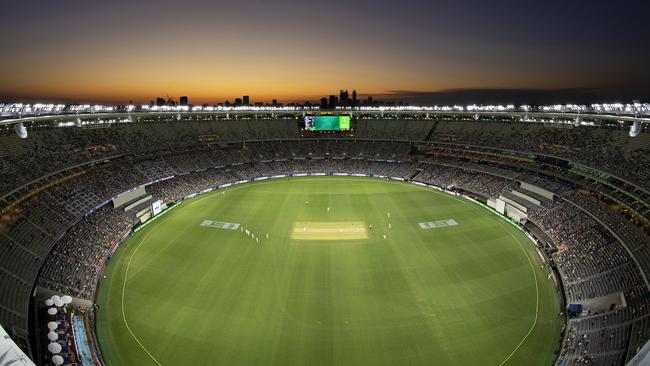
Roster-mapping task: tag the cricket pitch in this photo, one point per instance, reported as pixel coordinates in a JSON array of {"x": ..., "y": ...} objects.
[{"x": 340, "y": 230}]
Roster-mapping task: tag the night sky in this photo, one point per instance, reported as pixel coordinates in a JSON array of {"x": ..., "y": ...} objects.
[{"x": 423, "y": 51}]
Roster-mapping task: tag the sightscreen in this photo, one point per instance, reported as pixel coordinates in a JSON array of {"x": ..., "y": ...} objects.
[
  {"x": 327, "y": 123},
  {"x": 156, "y": 208}
]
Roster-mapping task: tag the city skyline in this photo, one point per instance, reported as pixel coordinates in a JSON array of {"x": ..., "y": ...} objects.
[
  {"x": 444, "y": 97},
  {"x": 422, "y": 52},
  {"x": 344, "y": 99}
]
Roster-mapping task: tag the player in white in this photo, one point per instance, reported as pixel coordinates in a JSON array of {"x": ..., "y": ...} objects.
[{"x": 328, "y": 209}]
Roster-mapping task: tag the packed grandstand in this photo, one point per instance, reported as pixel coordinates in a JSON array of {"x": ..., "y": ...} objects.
[{"x": 580, "y": 190}]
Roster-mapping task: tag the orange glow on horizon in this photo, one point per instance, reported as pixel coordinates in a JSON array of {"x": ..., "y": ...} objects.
[{"x": 109, "y": 74}]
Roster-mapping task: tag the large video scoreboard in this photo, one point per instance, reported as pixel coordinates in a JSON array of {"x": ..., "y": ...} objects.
[{"x": 327, "y": 123}]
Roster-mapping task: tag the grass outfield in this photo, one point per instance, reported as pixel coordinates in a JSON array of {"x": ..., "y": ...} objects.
[{"x": 469, "y": 294}]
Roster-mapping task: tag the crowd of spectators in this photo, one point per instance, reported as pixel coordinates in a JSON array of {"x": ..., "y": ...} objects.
[
  {"x": 594, "y": 147},
  {"x": 73, "y": 266},
  {"x": 449, "y": 177},
  {"x": 50, "y": 227},
  {"x": 594, "y": 264},
  {"x": 50, "y": 149}
]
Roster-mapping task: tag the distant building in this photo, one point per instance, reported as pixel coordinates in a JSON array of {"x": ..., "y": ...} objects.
[
  {"x": 246, "y": 100},
  {"x": 354, "y": 98},
  {"x": 183, "y": 101},
  {"x": 344, "y": 98},
  {"x": 274, "y": 103},
  {"x": 160, "y": 102},
  {"x": 237, "y": 102},
  {"x": 323, "y": 103},
  {"x": 334, "y": 101}
]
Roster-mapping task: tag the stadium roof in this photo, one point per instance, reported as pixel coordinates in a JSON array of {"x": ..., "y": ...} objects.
[{"x": 10, "y": 353}]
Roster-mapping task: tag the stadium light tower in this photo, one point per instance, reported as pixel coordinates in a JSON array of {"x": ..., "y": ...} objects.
[
  {"x": 635, "y": 129},
  {"x": 21, "y": 131},
  {"x": 525, "y": 108}
]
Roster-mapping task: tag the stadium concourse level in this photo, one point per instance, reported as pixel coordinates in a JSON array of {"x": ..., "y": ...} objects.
[{"x": 582, "y": 192}]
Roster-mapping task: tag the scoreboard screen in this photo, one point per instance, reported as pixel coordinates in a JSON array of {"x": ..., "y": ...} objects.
[{"x": 327, "y": 123}]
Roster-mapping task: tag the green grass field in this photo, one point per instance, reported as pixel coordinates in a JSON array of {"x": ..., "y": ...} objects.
[{"x": 317, "y": 292}]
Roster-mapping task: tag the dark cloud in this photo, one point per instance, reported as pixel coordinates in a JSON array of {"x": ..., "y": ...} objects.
[{"x": 521, "y": 96}]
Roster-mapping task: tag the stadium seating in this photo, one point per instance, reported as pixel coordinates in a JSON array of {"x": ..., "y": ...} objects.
[{"x": 56, "y": 230}]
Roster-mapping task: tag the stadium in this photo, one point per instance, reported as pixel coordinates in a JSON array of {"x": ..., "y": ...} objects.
[{"x": 464, "y": 235}]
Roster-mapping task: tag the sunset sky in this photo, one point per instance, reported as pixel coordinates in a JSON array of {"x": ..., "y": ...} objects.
[{"x": 116, "y": 51}]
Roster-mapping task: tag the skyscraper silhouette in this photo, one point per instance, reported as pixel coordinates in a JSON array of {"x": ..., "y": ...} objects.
[
  {"x": 344, "y": 98},
  {"x": 334, "y": 101}
]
